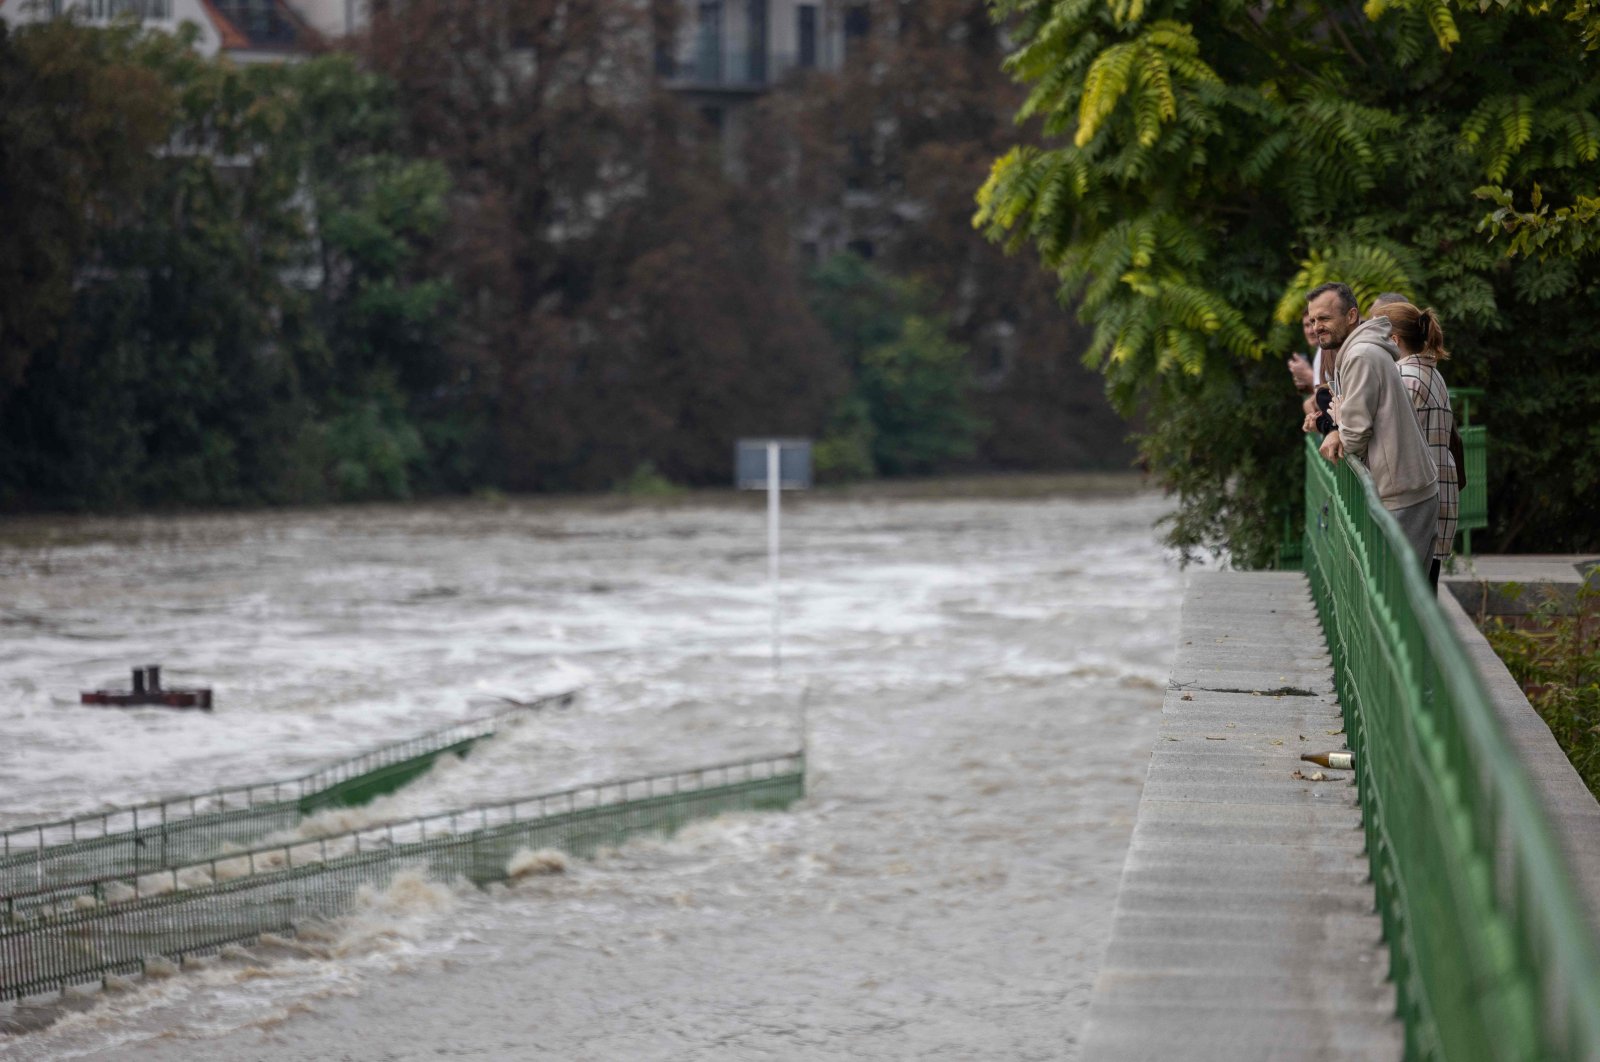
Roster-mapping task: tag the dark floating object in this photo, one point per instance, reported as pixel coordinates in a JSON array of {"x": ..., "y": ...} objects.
[{"x": 147, "y": 690}]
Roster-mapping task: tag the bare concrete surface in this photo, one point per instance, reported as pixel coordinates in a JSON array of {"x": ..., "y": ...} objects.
[
  {"x": 1245, "y": 924},
  {"x": 1479, "y": 583},
  {"x": 1568, "y": 803}
]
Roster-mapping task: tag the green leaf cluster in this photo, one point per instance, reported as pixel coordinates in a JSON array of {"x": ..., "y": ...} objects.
[
  {"x": 1198, "y": 166},
  {"x": 236, "y": 305},
  {"x": 910, "y": 409}
]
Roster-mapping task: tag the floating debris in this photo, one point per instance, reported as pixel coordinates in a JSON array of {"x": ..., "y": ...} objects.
[{"x": 147, "y": 689}]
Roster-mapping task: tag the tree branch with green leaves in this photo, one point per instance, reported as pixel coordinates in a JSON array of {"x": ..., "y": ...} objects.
[{"x": 1201, "y": 165}]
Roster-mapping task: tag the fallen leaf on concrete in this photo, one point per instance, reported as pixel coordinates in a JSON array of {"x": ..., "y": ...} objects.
[
  {"x": 1277, "y": 741},
  {"x": 1210, "y": 738}
]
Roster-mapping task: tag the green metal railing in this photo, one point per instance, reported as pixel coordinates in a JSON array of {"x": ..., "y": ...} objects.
[
  {"x": 1475, "y": 447},
  {"x": 1490, "y": 949},
  {"x": 51, "y": 939},
  {"x": 163, "y": 833}
]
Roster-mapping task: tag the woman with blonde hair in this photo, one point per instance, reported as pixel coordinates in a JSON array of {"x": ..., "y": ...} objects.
[{"x": 1420, "y": 338}]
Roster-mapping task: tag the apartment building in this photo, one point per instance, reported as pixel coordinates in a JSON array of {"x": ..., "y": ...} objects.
[
  {"x": 725, "y": 53},
  {"x": 726, "y": 49}
]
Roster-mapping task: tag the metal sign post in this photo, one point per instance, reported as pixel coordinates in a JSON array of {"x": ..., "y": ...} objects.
[
  {"x": 775, "y": 465},
  {"x": 774, "y": 515}
]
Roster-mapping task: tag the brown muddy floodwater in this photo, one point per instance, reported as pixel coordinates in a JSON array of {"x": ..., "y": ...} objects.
[{"x": 982, "y": 678}]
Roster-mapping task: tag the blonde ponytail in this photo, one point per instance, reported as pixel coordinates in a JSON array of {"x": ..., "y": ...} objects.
[
  {"x": 1417, "y": 330},
  {"x": 1431, "y": 334}
]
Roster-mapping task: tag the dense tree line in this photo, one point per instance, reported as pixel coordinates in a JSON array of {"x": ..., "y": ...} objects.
[
  {"x": 515, "y": 262},
  {"x": 1203, "y": 164},
  {"x": 902, "y": 137}
]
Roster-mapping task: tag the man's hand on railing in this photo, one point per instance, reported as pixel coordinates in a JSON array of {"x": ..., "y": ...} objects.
[{"x": 1332, "y": 446}]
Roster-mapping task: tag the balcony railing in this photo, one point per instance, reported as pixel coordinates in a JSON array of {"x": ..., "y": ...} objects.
[
  {"x": 726, "y": 69},
  {"x": 109, "y": 10}
]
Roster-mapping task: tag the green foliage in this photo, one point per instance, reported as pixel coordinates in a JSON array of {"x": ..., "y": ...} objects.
[
  {"x": 371, "y": 450},
  {"x": 916, "y": 385},
  {"x": 860, "y": 306},
  {"x": 911, "y": 406},
  {"x": 246, "y": 306},
  {"x": 1204, "y": 164},
  {"x": 424, "y": 268},
  {"x": 645, "y": 482},
  {"x": 845, "y": 450},
  {"x": 1550, "y": 130},
  {"x": 380, "y": 302},
  {"x": 1570, "y": 232},
  {"x": 1555, "y": 657},
  {"x": 79, "y": 121},
  {"x": 174, "y": 374}
]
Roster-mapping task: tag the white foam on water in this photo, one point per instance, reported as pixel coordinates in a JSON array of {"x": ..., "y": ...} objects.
[
  {"x": 526, "y": 863},
  {"x": 245, "y": 988},
  {"x": 325, "y": 634}
]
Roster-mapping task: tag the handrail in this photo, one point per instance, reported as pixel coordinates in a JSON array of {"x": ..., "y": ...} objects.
[
  {"x": 1490, "y": 950},
  {"x": 234, "y": 814},
  {"x": 1464, "y": 397}
]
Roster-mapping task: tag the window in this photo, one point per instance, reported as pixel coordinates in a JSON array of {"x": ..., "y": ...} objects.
[
  {"x": 807, "y": 16},
  {"x": 260, "y": 20},
  {"x": 708, "y": 43},
  {"x": 756, "y": 18},
  {"x": 857, "y": 20},
  {"x": 110, "y": 9}
]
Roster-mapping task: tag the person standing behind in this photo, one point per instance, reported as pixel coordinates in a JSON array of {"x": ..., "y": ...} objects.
[
  {"x": 1303, "y": 368},
  {"x": 1376, "y": 422},
  {"x": 1420, "y": 338}
]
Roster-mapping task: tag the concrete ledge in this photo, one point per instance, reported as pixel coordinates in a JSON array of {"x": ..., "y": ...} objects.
[
  {"x": 1205, "y": 1032},
  {"x": 1541, "y": 576},
  {"x": 1245, "y": 924},
  {"x": 1565, "y": 799}
]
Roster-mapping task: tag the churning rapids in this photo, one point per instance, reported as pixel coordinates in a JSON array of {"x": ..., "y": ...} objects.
[{"x": 981, "y": 678}]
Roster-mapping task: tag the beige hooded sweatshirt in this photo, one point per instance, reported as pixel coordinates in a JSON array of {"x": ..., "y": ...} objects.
[{"x": 1376, "y": 420}]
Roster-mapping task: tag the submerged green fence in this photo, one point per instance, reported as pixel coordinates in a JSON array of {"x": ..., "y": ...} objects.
[
  {"x": 54, "y": 938},
  {"x": 1490, "y": 948},
  {"x": 162, "y": 833}
]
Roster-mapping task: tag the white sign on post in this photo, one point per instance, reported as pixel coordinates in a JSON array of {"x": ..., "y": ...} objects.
[{"x": 773, "y": 465}]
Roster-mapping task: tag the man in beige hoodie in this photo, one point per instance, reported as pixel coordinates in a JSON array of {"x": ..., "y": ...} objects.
[{"x": 1376, "y": 422}]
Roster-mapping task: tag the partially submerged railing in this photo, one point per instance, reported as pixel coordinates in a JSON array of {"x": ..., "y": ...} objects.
[
  {"x": 1490, "y": 950},
  {"x": 51, "y": 939},
  {"x": 163, "y": 833}
]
